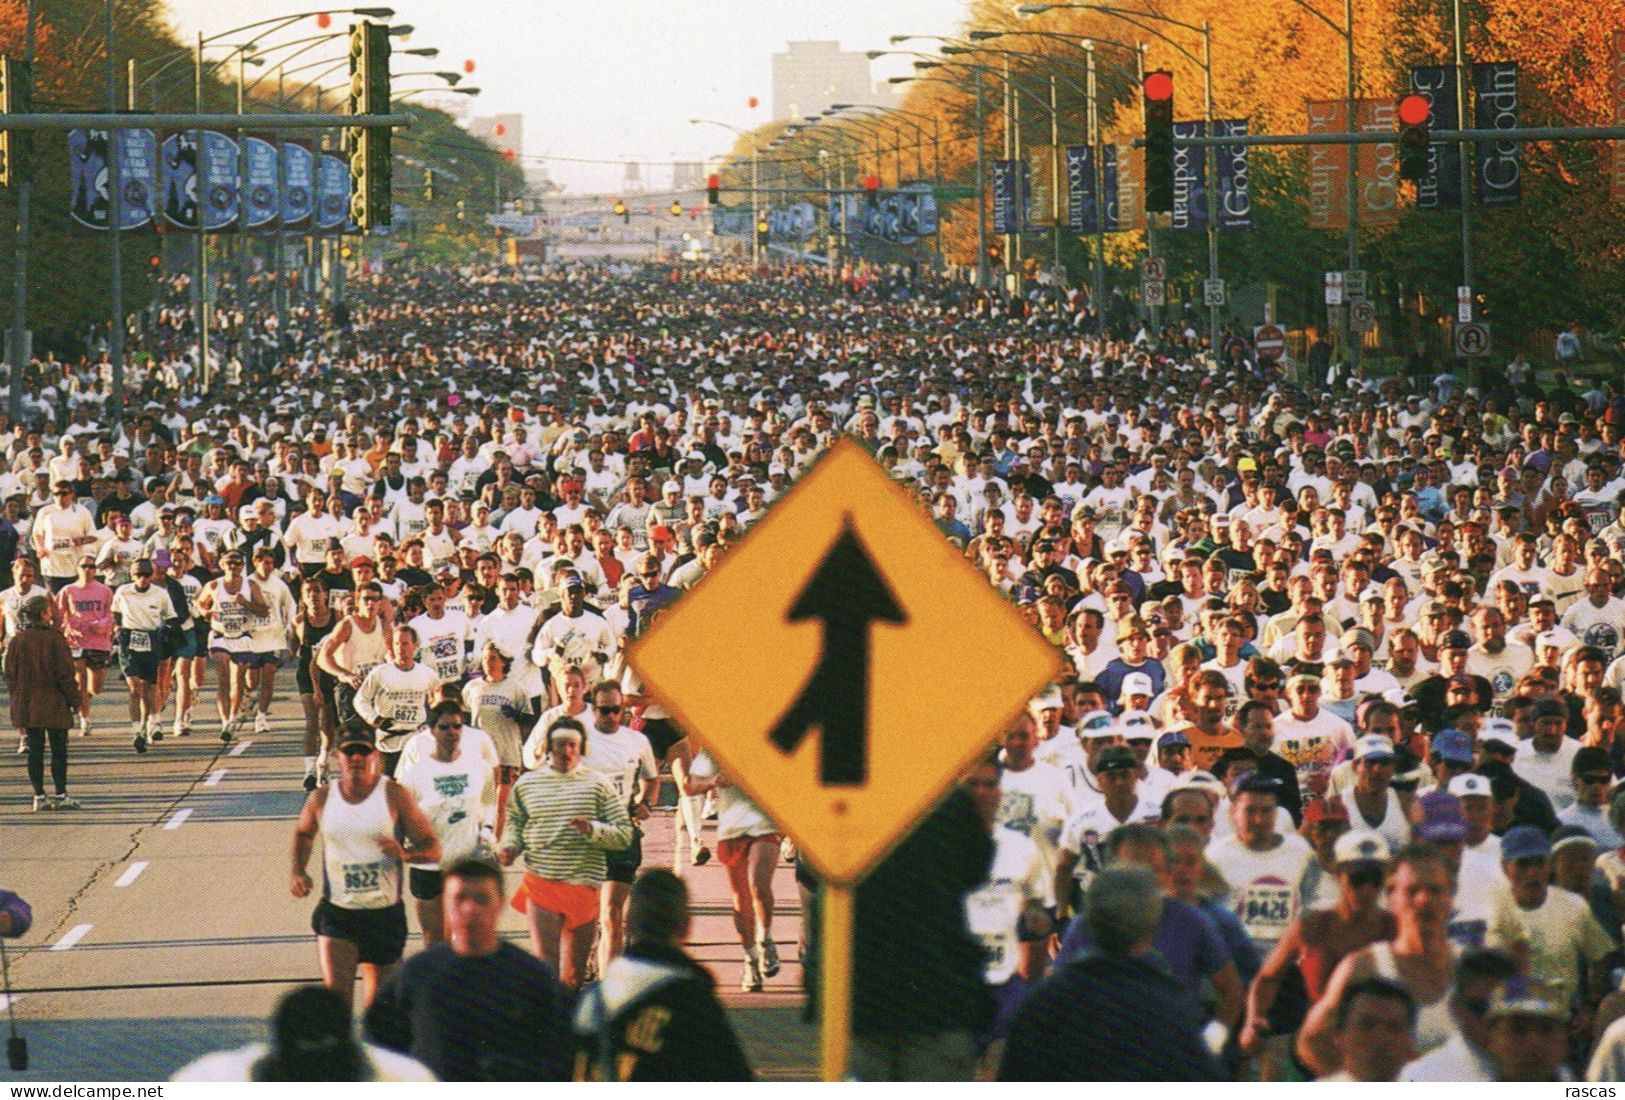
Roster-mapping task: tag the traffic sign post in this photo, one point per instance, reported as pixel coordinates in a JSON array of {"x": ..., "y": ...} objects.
[
  {"x": 1464, "y": 304},
  {"x": 1362, "y": 316},
  {"x": 1213, "y": 292},
  {"x": 1354, "y": 283},
  {"x": 1334, "y": 288},
  {"x": 1153, "y": 293},
  {"x": 808, "y": 662},
  {"x": 1473, "y": 340},
  {"x": 1153, "y": 269},
  {"x": 1270, "y": 341}
]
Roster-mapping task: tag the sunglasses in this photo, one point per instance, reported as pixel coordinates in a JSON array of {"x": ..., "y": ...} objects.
[
  {"x": 607, "y": 710},
  {"x": 1599, "y": 778},
  {"x": 1366, "y": 876},
  {"x": 357, "y": 750}
]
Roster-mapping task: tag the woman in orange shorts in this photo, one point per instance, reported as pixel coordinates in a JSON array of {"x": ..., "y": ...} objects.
[{"x": 563, "y": 818}]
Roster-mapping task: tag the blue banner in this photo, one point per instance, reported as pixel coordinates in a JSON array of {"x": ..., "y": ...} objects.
[
  {"x": 1082, "y": 203},
  {"x": 90, "y": 177},
  {"x": 1190, "y": 175},
  {"x": 1006, "y": 196},
  {"x": 219, "y": 174},
  {"x": 262, "y": 176},
  {"x": 901, "y": 216},
  {"x": 1441, "y": 188},
  {"x": 1235, "y": 192},
  {"x": 795, "y": 223},
  {"x": 332, "y": 193},
  {"x": 1108, "y": 185},
  {"x": 298, "y": 184},
  {"x": 1498, "y": 180}
]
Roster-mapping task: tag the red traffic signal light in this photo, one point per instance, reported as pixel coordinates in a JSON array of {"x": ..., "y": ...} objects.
[
  {"x": 1158, "y": 89},
  {"x": 1414, "y": 110},
  {"x": 1159, "y": 85},
  {"x": 155, "y": 262},
  {"x": 713, "y": 189},
  {"x": 871, "y": 183}
]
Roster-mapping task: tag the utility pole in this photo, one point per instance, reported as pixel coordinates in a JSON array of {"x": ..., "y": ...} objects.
[
  {"x": 23, "y": 151},
  {"x": 115, "y": 217}
]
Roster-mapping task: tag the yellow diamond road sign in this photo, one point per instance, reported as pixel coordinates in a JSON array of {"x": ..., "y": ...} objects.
[{"x": 844, "y": 663}]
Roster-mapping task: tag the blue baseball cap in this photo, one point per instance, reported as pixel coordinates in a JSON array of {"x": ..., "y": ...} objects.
[
  {"x": 1524, "y": 842},
  {"x": 1452, "y": 745}
]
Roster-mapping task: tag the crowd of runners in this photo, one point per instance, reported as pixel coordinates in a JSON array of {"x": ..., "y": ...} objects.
[{"x": 1344, "y": 667}]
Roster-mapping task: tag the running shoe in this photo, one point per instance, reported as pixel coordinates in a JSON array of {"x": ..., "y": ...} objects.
[
  {"x": 787, "y": 850},
  {"x": 41, "y": 802},
  {"x": 155, "y": 730},
  {"x": 140, "y": 740},
  {"x": 702, "y": 856},
  {"x": 262, "y": 723},
  {"x": 22, "y": 743},
  {"x": 67, "y": 802},
  {"x": 84, "y": 725},
  {"x": 183, "y": 725},
  {"x": 770, "y": 959},
  {"x": 751, "y": 980}
]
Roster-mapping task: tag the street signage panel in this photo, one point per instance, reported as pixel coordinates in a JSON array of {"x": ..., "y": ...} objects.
[
  {"x": 1270, "y": 341},
  {"x": 1153, "y": 293},
  {"x": 844, "y": 664},
  {"x": 1213, "y": 292},
  {"x": 1472, "y": 340}
]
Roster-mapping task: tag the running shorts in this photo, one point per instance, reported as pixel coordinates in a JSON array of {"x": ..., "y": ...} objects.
[
  {"x": 577, "y": 904},
  {"x": 732, "y": 852},
  {"x": 378, "y": 934}
]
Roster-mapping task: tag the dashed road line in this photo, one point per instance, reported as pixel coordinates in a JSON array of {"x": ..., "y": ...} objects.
[
  {"x": 178, "y": 820},
  {"x": 75, "y": 934},
  {"x": 240, "y": 748},
  {"x": 131, "y": 873},
  {"x": 215, "y": 777}
]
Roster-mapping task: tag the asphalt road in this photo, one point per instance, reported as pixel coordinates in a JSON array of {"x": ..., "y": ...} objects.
[{"x": 163, "y": 925}]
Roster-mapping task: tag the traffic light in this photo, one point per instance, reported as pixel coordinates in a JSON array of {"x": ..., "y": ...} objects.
[
  {"x": 713, "y": 190},
  {"x": 428, "y": 185},
  {"x": 462, "y": 209},
  {"x": 622, "y": 212},
  {"x": 1414, "y": 111},
  {"x": 16, "y": 97},
  {"x": 761, "y": 232},
  {"x": 871, "y": 183},
  {"x": 1158, "y": 88},
  {"x": 676, "y": 208},
  {"x": 370, "y": 188}
]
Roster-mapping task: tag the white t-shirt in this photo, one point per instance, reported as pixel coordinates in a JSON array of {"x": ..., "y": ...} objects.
[
  {"x": 1265, "y": 887},
  {"x": 1311, "y": 746},
  {"x": 458, "y": 797},
  {"x": 993, "y": 910},
  {"x": 1037, "y": 803},
  {"x": 737, "y": 815},
  {"x": 443, "y": 643},
  {"x": 1549, "y": 771},
  {"x": 622, "y": 757}
]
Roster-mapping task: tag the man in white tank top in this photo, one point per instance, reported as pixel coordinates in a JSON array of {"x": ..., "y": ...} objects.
[
  {"x": 1420, "y": 957},
  {"x": 370, "y": 827},
  {"x": 231, "y": 603}
]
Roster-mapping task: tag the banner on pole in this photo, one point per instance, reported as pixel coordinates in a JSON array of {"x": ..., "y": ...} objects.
[
  {"x": 1235, "y": 194},
  {"x": 1043, "y": 192},
  {"x": 1125, "y": 187},
  {"x": 1378, "y": 176},
  {"x": 1082, "y": 202},
  {"x": 1190, "y": 176},
  {"x": 1441, "y": 188},
  {"x": 1328, "y": 166},
  {"x": 332, "y": 193},
  {"x": 298, "y": 184},
  {"x": 91, "y": 177},
  {"x": 261, "y": 176},
  {"x": 1616, "y": 85},
  {"x": 1006, "y": 197},
  {"x": 1498, "y": 179}
]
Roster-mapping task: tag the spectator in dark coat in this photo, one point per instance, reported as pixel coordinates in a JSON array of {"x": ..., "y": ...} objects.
[
  {"x": 44, "y": 698},
  {"x": 1112, "y": 1015},
  {"x": 655, "y": 1015}
]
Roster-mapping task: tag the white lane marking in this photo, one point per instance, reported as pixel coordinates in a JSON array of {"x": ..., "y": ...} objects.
[
  {"x": 178, "y": 820},
  {"x": 131, "y": 873},
  {"x": 241, "y": 747},
  {"x": 75, "y": 934},
  {"x": 215, "y": 777}
]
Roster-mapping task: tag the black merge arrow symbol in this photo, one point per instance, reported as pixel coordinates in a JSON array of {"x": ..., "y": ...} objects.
[{"x": 847, "y": 592}]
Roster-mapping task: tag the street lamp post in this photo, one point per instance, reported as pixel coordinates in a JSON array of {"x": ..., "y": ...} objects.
[
  {"x": 755, "y": 170},
  {"x": 981, "y": 170}
]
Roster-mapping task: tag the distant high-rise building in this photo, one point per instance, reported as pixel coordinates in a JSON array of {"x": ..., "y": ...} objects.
[
  {"x": 810, "y": 76},
  {"x": 686, "y": 175}
]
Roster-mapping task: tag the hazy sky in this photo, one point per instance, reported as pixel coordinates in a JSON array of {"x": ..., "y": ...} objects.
[{"x": 615, "y": 80}]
